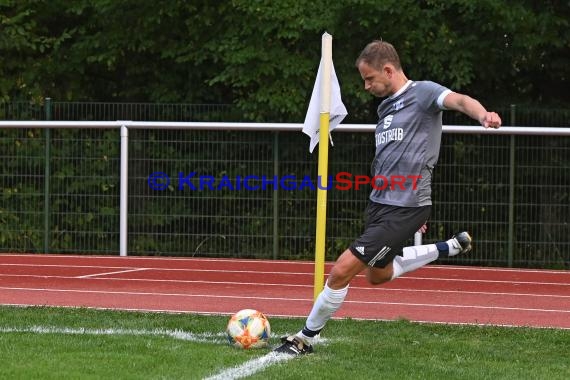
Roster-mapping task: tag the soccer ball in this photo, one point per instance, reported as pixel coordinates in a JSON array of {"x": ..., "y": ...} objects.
[{"x": 248, "y": 328}]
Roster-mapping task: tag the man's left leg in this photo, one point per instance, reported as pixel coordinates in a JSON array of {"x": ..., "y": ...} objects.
[{"x": 415, "y": 257}]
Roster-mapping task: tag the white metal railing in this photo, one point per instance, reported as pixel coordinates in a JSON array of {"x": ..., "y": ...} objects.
[
  {"x": 464, "y": 129},
  {"x": 125, "y": 125}
]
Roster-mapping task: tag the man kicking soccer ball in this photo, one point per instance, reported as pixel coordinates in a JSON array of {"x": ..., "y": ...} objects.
[{"x": 408, "y": 137}]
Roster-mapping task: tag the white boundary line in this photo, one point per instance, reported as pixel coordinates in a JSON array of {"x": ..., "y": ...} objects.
[
  {"x": 175, "y": 334},
  {"x": 247, "y": 368},
  {"x": 250, "y": 367}
]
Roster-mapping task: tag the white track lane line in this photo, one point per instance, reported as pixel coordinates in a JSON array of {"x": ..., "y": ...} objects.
[
  {"x": 108, "y": 273},
  {"x": 159, "y": 269},
  {"x": 275, "y": 262},
  {"x": 400, "y": 279},
  {"x": 163, "y": 258},
  {"x": 444, "y": 268},
  {"x": 281, "y": 299},
  {"x": 353, "y": 288}
]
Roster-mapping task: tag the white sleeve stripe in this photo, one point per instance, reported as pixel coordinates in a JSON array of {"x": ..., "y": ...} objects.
[{"x": 441, "y": 97}]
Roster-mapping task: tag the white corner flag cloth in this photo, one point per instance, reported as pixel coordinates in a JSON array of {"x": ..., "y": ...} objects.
[{"x": 338, "y": 111}]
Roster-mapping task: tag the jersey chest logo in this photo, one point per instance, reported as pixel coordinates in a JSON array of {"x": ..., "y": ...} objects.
[
  {"x": 399, "y": 105},
  {"x": 388, "y": 121}
]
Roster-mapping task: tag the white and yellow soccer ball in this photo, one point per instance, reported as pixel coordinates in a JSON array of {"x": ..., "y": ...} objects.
[{"x": 248, "y": 328}]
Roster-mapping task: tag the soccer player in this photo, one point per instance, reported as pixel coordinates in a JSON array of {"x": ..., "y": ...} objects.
[{"x": 408, "y": 137}]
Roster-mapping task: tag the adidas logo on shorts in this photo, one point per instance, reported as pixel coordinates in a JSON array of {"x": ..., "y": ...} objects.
[{"x": 360, "y": 250}]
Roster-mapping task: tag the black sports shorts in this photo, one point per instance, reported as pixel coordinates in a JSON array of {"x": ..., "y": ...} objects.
[{"x": 386, "y": 231}]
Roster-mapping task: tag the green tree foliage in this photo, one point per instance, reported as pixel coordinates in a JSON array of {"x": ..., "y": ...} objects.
[
  {"x": 27, "y": 44},
  {"x": 262, "y": 55}
]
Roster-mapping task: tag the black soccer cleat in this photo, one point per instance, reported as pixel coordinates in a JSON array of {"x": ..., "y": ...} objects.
[{"x": 294, "y": 346}]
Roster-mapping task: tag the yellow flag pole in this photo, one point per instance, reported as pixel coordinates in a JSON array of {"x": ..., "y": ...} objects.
[{"x": 324, "y": 120}]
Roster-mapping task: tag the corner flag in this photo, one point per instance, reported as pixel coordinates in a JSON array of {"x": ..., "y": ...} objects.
[
  {"x": 331, "y": 111},
  {"x": 337, "y": 109}
]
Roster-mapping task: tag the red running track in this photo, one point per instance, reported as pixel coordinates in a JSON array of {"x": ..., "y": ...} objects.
[{"x": 441, "y": 294}]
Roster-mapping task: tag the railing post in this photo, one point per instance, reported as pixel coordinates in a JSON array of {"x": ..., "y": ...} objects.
[
  {"x": 276, "y": 196},
  {"x": 47, "y": 176},
  {"x": 512, "y": 159},
  {"x": 124, "y": 182}
]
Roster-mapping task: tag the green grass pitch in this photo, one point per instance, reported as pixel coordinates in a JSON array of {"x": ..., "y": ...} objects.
[{"x": 75, "y": 343}]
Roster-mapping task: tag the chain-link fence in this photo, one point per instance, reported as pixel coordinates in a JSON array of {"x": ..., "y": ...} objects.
[{"x": 60, "y": 194}]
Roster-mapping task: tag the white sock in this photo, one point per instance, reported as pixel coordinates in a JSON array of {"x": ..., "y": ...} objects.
[
  {"x": 327, "y": 303},
  {"x": 413, "y": 258}
]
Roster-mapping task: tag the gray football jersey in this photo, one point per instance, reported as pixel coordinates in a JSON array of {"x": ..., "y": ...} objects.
[{"x": 408, "y": 138}]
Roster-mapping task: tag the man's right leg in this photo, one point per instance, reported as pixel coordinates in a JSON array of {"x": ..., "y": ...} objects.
[
  {"x": 327, "y": 303},
  {"x": 331, "y": 298}
]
